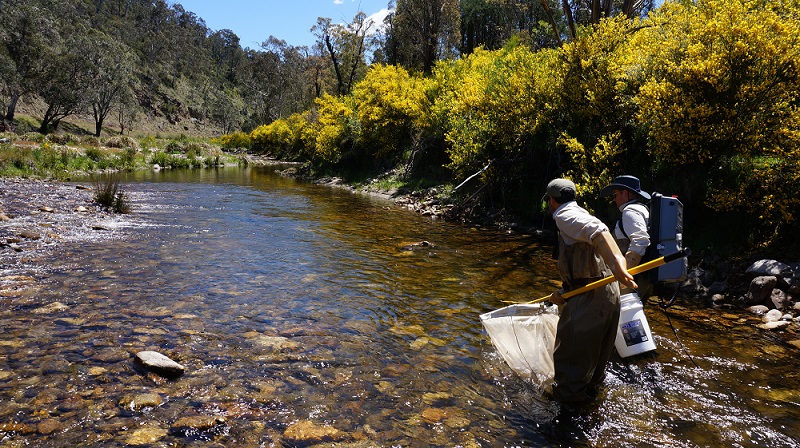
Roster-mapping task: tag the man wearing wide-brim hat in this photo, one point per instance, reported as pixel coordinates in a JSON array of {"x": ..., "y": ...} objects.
[{"x": 630, "y": 231}]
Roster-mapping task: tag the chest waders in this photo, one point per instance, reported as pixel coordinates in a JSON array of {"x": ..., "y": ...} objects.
[{"x": 587, "y": 327}]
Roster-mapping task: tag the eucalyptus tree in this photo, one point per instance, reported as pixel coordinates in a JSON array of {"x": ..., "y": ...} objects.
[
  {"x": 109, "y": 73},
  {"x": 582, "y": 12},
  {"x": 226, "y": 53},
  {"x": 423, "y": 32},
  {"x": 491, "y": 23},
  {"x": 28, "y": 38},
  {"x": 274, "y": 82},
  {"x": 63, "y": 88},
  {"x": 346, "y": 46}
]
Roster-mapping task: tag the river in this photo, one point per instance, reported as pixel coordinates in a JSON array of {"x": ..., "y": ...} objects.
[{"x": 307, "y": 314}]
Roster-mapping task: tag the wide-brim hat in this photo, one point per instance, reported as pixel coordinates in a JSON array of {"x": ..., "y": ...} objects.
[{"x": 625, "y": 182}]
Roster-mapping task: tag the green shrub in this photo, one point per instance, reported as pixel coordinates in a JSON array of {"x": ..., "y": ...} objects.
[
  {"x": 90, "y": 140},
  {"x": 169, "y": 160},
  {"x": 32, "y": 137},
  {"x": 62, "y": 139},
  {"x": 122, "y": 141},
  {"x": 95, "y": 154}
]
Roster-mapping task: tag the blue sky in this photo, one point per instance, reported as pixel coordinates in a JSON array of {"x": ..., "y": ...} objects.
[{"x": 291, "y": 20}]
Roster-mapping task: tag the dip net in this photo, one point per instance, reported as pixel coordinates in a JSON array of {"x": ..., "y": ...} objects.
[{"x": 525, "y": 336}]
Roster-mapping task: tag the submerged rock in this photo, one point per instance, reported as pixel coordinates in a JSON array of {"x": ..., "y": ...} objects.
[
  {"x": 306, "y": 432},
  {"x": 159, "y": 364}
]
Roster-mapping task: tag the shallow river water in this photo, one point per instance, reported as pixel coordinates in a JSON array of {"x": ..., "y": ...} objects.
[{"x": 308, "y": 315}]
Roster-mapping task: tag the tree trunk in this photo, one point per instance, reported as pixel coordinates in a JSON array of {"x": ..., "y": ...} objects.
[
  {"x": 12, "y": 107},
  {"x": 570, "y": 18},
  {"x": 98, "y": 126},
  {"x": 552, "y": 21}
]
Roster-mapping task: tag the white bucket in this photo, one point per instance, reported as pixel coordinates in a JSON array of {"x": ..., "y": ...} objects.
[{"x": 633, "y": 332}]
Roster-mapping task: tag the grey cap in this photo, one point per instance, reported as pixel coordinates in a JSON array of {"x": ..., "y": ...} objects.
[{"x": 557, "y": 186}]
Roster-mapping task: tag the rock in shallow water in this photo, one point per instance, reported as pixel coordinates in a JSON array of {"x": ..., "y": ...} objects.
[{"x": 159, "y": 364}]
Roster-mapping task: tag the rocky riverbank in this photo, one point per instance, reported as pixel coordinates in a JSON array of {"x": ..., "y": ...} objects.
[{"x": 37, "y": 215}]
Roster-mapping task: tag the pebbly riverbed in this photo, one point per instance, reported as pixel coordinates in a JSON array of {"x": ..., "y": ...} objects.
[{"x": 309, "y": 315}]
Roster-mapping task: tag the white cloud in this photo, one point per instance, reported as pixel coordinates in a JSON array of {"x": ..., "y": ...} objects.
[{"x": 377, "y": 21}]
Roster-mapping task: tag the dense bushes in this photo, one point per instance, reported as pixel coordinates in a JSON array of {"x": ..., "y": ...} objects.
[{"x": 699, "y": 99}]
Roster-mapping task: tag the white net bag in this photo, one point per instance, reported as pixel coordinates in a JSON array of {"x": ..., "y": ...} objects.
[{"x": 525, "y": 335}]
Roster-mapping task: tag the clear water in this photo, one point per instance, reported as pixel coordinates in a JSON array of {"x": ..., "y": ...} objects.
[{"x": 294, "y": 304}]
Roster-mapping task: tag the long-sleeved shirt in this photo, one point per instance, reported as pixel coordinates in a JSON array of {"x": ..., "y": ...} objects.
[
  {"x": 634, "y": 222},
  {"x": 576, "y": 224}
]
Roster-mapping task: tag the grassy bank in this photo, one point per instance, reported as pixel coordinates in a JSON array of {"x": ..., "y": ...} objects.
[{"x": 60, "y": 156}]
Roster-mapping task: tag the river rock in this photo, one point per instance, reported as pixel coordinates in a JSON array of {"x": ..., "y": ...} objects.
[
  {"x": 769, "y": 268},
  {"x": 146, "y": 435},
  {"x": 141, "y": 401},
  {"x": 772, "y": 316},
  {"x": 760, "y": 290},
  {"x": 779, "y": 325},
  {"x": 159, "y": 364},
  {"x": 758, "y": 310},
  {"x": 718, "y": 288},
  {"x": 780, "y": 299},
  {"x": 202, "y": 423},
  {"x": 306, "y": 432}
]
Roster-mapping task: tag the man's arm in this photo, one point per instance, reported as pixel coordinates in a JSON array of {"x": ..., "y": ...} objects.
[{"x": 607, "y": 248}]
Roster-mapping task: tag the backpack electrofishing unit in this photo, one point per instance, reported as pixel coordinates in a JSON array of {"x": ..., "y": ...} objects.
[{"x": 666, "y": 237}]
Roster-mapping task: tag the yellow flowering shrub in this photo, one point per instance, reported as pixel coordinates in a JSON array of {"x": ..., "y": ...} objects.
[
  {"x": 718, "y": 87},
  {"x": 492, "y": 104},
  {"x": 389, "y": 102},
  {"x": 286, "y": 138},
  {"x": 336, "y": 128}
]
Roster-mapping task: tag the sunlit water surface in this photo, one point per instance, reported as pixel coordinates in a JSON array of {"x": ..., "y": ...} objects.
[{"x": 293, "y": 304}]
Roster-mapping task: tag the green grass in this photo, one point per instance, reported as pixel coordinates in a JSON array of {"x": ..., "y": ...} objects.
[{"x": 108, "y": 194}]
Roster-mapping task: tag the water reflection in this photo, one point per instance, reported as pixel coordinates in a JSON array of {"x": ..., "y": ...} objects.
[{"x": 309, "y": 314}]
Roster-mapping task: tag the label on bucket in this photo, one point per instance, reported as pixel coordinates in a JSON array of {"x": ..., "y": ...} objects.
[{"x": 633, "y": 332}]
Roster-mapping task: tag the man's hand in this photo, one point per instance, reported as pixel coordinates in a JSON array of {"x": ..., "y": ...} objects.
[
  {"x": 632, "y": 259},
  {"x": 557, "y": 299}
]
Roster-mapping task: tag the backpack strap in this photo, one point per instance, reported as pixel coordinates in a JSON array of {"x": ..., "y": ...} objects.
[{"x": 619, "y": 221}]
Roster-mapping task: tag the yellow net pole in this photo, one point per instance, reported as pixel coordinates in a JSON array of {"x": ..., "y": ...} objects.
[{"x": 633, "y": 271}]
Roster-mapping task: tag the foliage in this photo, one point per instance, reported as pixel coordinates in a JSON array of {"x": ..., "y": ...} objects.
[
  {"x": 336, "y": 128},
  {"x": 423, "y": 32},
  {"x": 390, "y": 102},
  {"x": 493, "y": 105},
  {"x": 285, "y": 138},
  {"x": 235, "y": 140},
  {"x": 599, "y": 140},
  {"x": 717, "y": 96},
  {"x": 121, "y": 141}
]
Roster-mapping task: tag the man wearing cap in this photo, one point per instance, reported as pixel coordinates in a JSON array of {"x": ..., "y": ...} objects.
[
  {"x": 587, "y": 327},
  {"x": 630, "y": 231}
]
